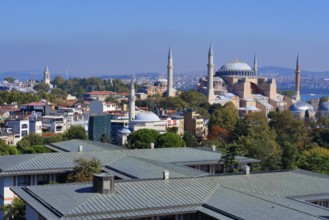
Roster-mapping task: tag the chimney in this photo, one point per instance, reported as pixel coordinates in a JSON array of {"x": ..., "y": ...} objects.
[
  {"x": 80, "y": 148},
  {"x": 103, "y": 183},
  {"x": 213, "y": 147},
  {"x": 166, "y": 175},
  {"x": 247, "y": 170},
  {"x": 152, "y": 145}
]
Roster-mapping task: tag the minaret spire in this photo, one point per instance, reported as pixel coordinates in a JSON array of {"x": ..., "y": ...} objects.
[
  {"x": 46, "y": 76},
  {"x": 297, "y": 78},
  {"x": 211, "y": 95},
  {"x": 255, "y": 65},
  {"x": 132, "y": 100},
  {"x": 170, "y": 90}
]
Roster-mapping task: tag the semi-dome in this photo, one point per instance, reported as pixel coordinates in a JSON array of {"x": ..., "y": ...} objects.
[
  {"x": 146, "y": 117},
  {"x": 324, "y": 106},
  {"x": 125, "y": 131},
  {"x": 218, "y": 79},
  {"x": 301, "y": 106},
  {"x": 236, "y": 65}
]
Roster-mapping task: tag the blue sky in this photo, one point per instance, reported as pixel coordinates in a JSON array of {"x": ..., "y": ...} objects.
[{"x": 122, "y": 37}]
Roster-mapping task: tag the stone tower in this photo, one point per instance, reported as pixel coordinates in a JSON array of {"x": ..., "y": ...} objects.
[
  {"x": 297, "y": 79},
  {"x": 132, "y": 100},
  {"x": 170, "y": 89},
  {"x": 255, "y": 65},
  {"x": 211, "y": 95},
  {"x": 46, "y": 76}
]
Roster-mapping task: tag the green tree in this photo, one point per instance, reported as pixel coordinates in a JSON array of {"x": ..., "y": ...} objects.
[
  {"x": 260, "y": 142},
  {"x": 142, "y": 138},
  {"x": 10, "y": 79},
  {"x": 323, "y": 99},
  {"x": 75, "y": 132},
  {"x": 58, "y": 81},
  {"x": 169, "y": 139},
  {"x": 36, "y": 149},
  {"x": 104, "y": 138},
  {"x": 41, "y": 87},
  {"x": 225, "y": 117},
  {"x": 14, "y": 210},
  {"x": 7, "y": 149},
  {"x": 190, "y": 140},
  {"x": 315, "y": 159},
  {"x": 30, "y": 140},
  {"x": 194, "y": 98},
  {"x": 292, "y": 136},
  {"x": 84, "y": 169}
]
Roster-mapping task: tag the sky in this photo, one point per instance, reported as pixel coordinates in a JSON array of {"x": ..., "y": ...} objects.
[{"x": 86, "y": 38}]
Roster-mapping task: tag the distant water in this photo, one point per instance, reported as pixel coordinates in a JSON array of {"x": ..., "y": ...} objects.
[{"x": 308, "y": 97}]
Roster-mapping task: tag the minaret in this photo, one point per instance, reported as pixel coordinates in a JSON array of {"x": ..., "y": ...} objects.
[
  {"x": 297, "y": 79},
  {"x": 211, "y": 95},
  {"x": 46, "y": 76},
  {"x": 170, "y": 90},
  {"x": 132, "y": 100},
  {"x": 255, "y": 65}
]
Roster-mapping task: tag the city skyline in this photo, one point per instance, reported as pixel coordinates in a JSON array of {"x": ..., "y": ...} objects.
[{"x": 106, "y": 37}]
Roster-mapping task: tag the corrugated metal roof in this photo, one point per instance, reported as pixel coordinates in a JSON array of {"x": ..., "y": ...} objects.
[
  {"x": 72, "y": 146},
  {"x": 253, "y": 196},
  {"x": 48, "y": 161}
]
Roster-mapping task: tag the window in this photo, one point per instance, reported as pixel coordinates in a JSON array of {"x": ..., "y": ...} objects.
[
  {"x": 24, "y": 133},
  {"x": 24, "y": 125},
  {"x": 42, "y": 179},
  {"x": 24, "y": 180}
]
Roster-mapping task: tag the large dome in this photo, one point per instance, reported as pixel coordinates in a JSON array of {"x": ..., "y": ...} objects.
[
  {"x": 236, "y": 65},
  {"x": 301, "y": 106},
  {"x": 236, "y": 68},
  {"x": 146, "y": 117}
]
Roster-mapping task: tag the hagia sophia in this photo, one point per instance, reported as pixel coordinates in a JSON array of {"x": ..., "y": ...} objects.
[{"x": 238, "y": 83}]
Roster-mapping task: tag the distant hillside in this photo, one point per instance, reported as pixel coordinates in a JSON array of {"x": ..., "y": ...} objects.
[{"x": 283, "y": 71}]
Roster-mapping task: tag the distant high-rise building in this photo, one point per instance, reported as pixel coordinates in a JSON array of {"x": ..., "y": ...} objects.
[
  {"x": 46, "y": 76},
  {"x": 170, "y": 89}
]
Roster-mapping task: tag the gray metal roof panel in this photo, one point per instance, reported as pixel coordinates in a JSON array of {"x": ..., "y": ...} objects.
[
  {"x": 253, "y": 196},
  {"x": 49, "y": 161},
  {"x": 72, "y": 146}
]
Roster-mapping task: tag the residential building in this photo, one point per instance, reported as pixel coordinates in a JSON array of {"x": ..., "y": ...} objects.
[
  {"x": 99, "y": 107},
  {"x": 19, "y": 126},
  {"x": 53, "y": 123}
]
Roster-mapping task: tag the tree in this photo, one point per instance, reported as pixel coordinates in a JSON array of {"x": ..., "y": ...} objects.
[
  {"x": 30, "y": 140},
  {"x": 323, "y": 99},
  {"x": 35, "y": 149},
  {"x": 84, "y": 169},
  {"x": 172, "y": 129},
  {"x": 225, "y": 117},
  {"x": 292, "y": 136},
  {"x": 142, "y": 138},
  {"x": 10, "y": 79},
  {"x": 190, "y": 140},
  {"x": 194, "y": 98},
  {"x": 104, "y": 138},
  {"x": 315, "y": 159},
  {"x": 169, "y": 139},
  {"x": 14, "y": 210},
  {"x": 260, "y": 142},
  {"x": 75, "y": 132},
  {"x": 7, "y": 149},
  {"x": 58, "y": 81},
  {"x": 41, "y": 87}
]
